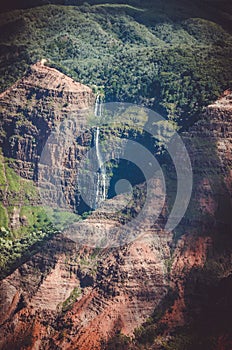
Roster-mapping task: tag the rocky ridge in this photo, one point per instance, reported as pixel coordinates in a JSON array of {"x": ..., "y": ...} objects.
[
  {"x": 32, "y": 106},
  {"x": 69, "y": 296},
  {"x": 30, "y": 110}
]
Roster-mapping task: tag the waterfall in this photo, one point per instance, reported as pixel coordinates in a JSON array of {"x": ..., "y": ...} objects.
[
  {"x": 98, "y": 107},
  {"x": 101, "y": 174}
]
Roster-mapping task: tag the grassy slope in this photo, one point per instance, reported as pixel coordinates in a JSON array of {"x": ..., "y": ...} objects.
[{"x": 35, "y": 223}]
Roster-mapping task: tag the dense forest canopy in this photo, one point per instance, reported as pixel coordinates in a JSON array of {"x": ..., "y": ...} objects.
[{"x": 172, "y": 56}]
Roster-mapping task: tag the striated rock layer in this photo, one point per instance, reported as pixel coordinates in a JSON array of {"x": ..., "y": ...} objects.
[
  {"x": 30, "y": 110},
  {"x": 201, "y": 261},
  {"x": 117, "y": 291},
  {"x": 32, "y": 106},
  {"x": 75, "y": 297}
]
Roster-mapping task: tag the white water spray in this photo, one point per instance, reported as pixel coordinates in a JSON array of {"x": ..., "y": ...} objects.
[{"x": 101, "y": 174}]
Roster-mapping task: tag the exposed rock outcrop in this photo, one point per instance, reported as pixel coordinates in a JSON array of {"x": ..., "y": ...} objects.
[
  {"x": 32, "y": 106},
  {"x": 205, "y": 246},
  {"x": 30, "y": 110},
  {"x": 72, "y": 297}
]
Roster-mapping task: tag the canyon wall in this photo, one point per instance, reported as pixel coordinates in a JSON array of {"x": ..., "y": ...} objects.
[
  {"x": 30, "y": 110},
  {"x": 71, "y": 296}
]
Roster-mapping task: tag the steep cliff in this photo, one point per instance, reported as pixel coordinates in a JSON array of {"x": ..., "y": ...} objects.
[
  {"x": 30, "y": 110},
  {"x": 68, "y": 296},
  {"x": 31, "y": 107},
  {"x": 199, "y": 315}
]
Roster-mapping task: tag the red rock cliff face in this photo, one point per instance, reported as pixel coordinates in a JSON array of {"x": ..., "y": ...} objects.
[
  {"x": 119, "y": 295},
  {"x": 32, "y": 106},
  {"x": 205, "y": 246},
  {"x": 72, "y": 297},
  {"x": 30, "y": 109},
  {"x": 82, "y": 295}
]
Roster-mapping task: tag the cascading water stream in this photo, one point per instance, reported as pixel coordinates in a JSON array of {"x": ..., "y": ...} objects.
[{"x": 101, "y": 174}]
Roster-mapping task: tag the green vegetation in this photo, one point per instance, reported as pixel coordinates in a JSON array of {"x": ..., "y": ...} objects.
[
  {"x": 119, "y": 341},
  {"x": 15, "y": 192},
  {"x": 61, "y": 219},
  {"x": 67, "y": 304},
  {"x": 3, "y": 216},
  {"x": 31, "y": 224},
  {"x": 173, "y": 57},
  {"x": 24, "y": 223},
  {"x": 35, "y": 217},
  {"x": 14, "y": 251},
  {"x": 13, "y": 184}
]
